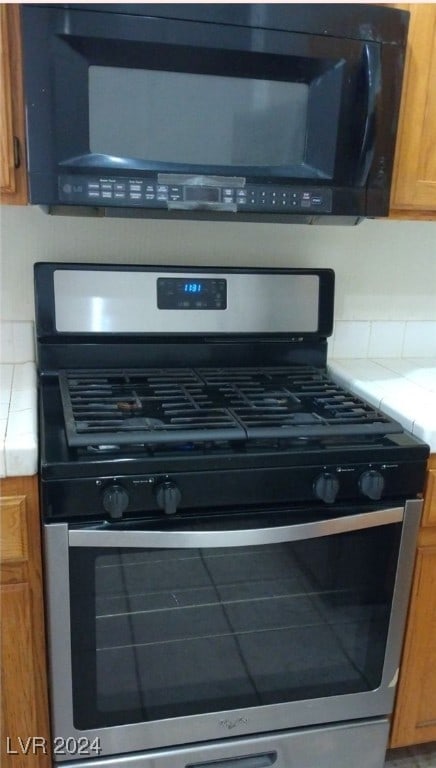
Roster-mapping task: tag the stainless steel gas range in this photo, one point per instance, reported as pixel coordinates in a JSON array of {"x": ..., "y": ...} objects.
[{"x": 229, "y": 534}]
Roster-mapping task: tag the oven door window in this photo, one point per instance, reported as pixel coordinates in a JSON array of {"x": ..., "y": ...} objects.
[{"x": 167, "y": 633}]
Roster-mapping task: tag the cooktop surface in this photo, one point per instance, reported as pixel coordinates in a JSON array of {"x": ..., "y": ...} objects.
[{"x": 168, "y": 406}]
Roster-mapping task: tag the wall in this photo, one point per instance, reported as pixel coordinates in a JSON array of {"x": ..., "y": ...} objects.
[{"x": 385, "y": 271}]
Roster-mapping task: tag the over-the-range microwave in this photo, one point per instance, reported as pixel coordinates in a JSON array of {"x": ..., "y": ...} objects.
[{"x": 244, "y": 112}]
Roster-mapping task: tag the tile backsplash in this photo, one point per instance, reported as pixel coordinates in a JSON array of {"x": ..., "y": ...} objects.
[
  {"x": 352, "y": 339},
  {"x": 372, "y": 339},
  {"x": 385, "y": 284},
  {"x": 17, "y": 342}
]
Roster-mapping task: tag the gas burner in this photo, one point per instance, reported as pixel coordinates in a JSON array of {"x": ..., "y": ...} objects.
[{"x": 171, "y": 406}]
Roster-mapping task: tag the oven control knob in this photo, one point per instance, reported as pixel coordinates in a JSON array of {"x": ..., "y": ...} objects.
[
  {"x": 371, "y": 484},
  {"x": 326, "y": 487},
  {"x": 115, "y": 500},
  {"x": 168, "y": 497}
]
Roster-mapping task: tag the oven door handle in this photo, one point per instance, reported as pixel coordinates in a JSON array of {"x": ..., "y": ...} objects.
[{"x": 151, "y": 539}]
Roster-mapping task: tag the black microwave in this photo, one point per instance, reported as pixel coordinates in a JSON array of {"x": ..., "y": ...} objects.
[{"x": 251, "y": 112}]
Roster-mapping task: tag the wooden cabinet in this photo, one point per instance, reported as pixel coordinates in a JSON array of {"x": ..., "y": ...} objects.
[
  {"x": 24, "y": 709},
  {"x": 415, "y": 710},
  {"x": 13, "y": 184},
  {"x": 414, "y": 182}
]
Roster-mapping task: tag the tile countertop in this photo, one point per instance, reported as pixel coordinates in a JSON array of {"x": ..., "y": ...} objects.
[
  {"x": 404, "y": 388},
  {"x": 18, "y": 420}
]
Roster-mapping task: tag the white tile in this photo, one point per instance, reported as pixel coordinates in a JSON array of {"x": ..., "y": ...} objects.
[
  {"x": 6, "y": 375},
  {"x": 3, "y": 427},
  {"x": 423, "y": 377},
  {"x": 24, "y": 377},
  {"x": 7, "y": 343},
  {"x": 420, "y": 339},
  {"x": 401, "y": 402},
  {"x": 363, "y": 377},
  {"x": 2, "y": 459},
  {"x": 22, "y": 399},
  {"x": 21, "y": 423},
  {"x": 424, "y": 425},
  {"x": 24, "y": 347},
  {"x": 351, "y": 339},
  {"x": 21, "y": 453},
  {"x": 21, "y": 447},
  {"x": 386, "y": 339},
  {"x": 421, "y": 371}
]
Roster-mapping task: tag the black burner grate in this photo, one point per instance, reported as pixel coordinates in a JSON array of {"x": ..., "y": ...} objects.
[{"x": 167, "y": 406}]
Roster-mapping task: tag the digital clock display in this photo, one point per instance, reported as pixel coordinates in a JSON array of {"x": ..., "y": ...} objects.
[
  {"x": 191, "y": 293},
  {"x": 192, "y": 288}
]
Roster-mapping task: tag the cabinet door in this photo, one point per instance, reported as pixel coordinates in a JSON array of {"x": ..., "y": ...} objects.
[
  {"x": 18, "y": 719},
  {"x": 414, "y": 183},
  {"x": 12, "y": 144},
  {"x": 24, "y": 711},
  {"x": 415, "y": 711}
]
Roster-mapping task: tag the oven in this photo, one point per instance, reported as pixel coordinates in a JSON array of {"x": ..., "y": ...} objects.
[{"x": 219, "y": 593}]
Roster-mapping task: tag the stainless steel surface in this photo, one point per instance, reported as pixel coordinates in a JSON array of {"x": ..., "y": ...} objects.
[
  {"x": 233, "y": 538},
  {"x": 163, "y": 734},
  {"x": 125, "y": 302},
  {"x": 363, "y": 743}
]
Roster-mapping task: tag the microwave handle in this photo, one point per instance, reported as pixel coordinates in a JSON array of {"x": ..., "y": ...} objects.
[
  {"x": 150, "y": 539},
  {"x": 372, "y": 66}
]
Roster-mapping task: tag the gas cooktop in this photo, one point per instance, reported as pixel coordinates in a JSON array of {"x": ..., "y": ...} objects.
[
  {"x": 196, "y": 403},
  {"x": 167, "y": 406}
]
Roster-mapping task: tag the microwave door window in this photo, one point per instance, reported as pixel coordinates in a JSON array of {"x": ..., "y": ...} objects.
[{"x": 196, "y": 119}]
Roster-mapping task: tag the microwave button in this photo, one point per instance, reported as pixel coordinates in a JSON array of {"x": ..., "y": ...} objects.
[
  {"x": 135, "y": 195},
  {"x": 149, "y": 188},
  {"x": 316, "y": 200},
  {"x": 135, "y": 187},
  {"x": 150, "y": 196},
  {"x": 93, "y": 185},
  {"x": 162, "y": 196},
  {"x": 120, "y": 195},
  {"x": 92, "y": 193},
  {"x": 106, "y": 185},
  {"x": 107, "y": 194},
  {"x": 120, "y": 187},
  {"x": 161, "y": 188}
]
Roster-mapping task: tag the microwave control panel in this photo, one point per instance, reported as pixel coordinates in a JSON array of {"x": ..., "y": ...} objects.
[{"x": 126, "y": 192}]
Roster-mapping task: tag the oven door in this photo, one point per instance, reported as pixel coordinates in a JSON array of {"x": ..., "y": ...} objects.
[{"x": 184, "y": 630}]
